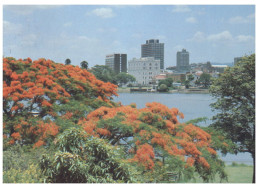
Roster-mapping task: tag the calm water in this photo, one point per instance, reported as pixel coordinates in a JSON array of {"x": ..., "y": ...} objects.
[{"x": 191, "y": 105}]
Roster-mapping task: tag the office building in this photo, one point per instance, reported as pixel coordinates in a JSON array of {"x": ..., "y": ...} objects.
[
  {"x": 183, "y": 60},
  {"x": 144, "y": 69},
  {"x": 153, "y": 48},
  {"x": 117, "y": 62}
]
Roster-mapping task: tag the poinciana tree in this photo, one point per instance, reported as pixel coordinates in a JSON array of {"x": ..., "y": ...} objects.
[
  {"x": 39, "y": 95},
  {"x": 153, "y": 138}
]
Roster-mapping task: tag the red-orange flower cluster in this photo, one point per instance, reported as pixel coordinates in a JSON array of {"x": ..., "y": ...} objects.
[{"x": 145, "y": 156}]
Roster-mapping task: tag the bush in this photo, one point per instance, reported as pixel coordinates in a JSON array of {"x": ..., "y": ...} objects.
[
  {"x": 84, "y": 159},
  {"x": 30, "y": 175},
  {"x": 163, "y": 88},
  {"x": 21, "y": 157},
  {"x": 20, "y": 164}
]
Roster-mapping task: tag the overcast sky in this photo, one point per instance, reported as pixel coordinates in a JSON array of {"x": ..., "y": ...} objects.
[{"x": 86, "y": 32}]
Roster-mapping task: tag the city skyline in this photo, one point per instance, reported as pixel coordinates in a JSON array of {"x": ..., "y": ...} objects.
[{"x": 213, "y": 33}]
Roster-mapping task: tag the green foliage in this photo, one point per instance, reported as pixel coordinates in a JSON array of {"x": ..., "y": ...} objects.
[
  {"x": 168, "y": 82},
  {"x": 74, "y": 110},
  {"x": 67, "y": 62},
  {"x": 84, "y": 159},
  {"x": 21, "y": 157},
  {"x": 197, "y": 120},
  {"x": 220, "y": 142},
  {"x": 20, "y": 164},
  {"x": 216, "y": 168},
  {"x": 205, "y": 80},
  {"x": 163, "y": 88},
  {"x": 31, "y": 175},
  {"x": 124, "y": 78},
  {"x": 187, "y": 84},
  {"x": 235, "y": 94},
  {"x": 84, "y": 65},
  {"x": 189, "y": 79},
  {"x": 104, "y": 73}
]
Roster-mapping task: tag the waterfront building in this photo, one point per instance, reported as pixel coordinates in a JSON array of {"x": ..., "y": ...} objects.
[
  {"x": 158, "y": 78},
  {"x": 144, "y": 69},
  {"x": 117, "y": 62},
  {"x": 177, "y": 77},
  {"x": 152, "y": 48},
  {"x": 183, "y": 60}
]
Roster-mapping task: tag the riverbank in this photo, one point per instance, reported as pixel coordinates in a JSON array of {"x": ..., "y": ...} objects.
[
  {"x": 190, "y": 91},
  {"x": 185, "y": 91}
]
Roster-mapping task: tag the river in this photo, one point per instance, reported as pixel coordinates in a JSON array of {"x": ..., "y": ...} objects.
[{"x": 191, "y": 105}]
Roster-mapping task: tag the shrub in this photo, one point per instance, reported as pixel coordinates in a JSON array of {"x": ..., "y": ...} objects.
[
  {"x": 31, "y": 175},
  {"x": 163, "y": 88},
  {"x": 84, "y": 159}
]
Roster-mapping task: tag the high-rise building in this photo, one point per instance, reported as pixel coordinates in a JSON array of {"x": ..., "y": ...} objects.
[
  {"x": 144, "y": 69},
  {"x": 153, "y": 48},
  {"x": 117, "y": 62},
  {"x": 183, "y": 60}
]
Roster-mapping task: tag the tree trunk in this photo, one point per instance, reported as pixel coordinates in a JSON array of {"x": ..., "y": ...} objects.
[{"x": 253, "y": 155}]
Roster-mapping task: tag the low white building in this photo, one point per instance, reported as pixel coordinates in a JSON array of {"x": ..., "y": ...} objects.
[{"x": 144, "y": 69}]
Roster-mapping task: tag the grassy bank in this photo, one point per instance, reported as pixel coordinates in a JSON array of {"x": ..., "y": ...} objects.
[{"x": 236, "y": 174}]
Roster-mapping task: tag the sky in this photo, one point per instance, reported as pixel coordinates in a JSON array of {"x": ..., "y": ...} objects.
[{"x": 215, "y": 33}]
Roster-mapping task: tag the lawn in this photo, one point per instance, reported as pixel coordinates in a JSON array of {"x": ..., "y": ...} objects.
[{"x": 236, "y": 174}]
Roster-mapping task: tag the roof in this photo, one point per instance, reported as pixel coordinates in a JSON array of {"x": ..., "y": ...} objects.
[{"x": 160, "y": 77}]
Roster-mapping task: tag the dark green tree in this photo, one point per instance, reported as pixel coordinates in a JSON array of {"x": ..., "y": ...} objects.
[
  {"x": 84, "y": 65},
  {"x": 124, "y": 78},
  {"x": 204, "y": 80},
  {"x": 67, "y": 62},
  {"x": 189, "y": 79},
  {"x": 235, "y": 94},
  {"x": 187, "y": 84},
  {"x": 163, "y": 88},
  {"x": 104, "y": 73},
  {"x": 168, "y": 82}
]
